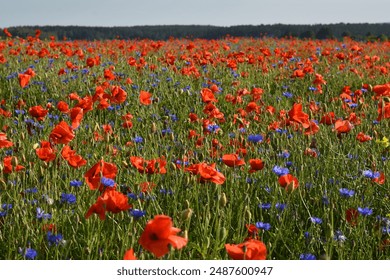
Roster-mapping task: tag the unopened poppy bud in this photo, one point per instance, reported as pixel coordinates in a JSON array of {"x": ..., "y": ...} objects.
[
  {"x": 223, "y": 200},
  {"x": 15, "y": 161},
  {"x": 154, "y": 128},
  {"x": 248, "y": 214},
  {"x": 324, "y": 257},
  {"x": 185, "y": 235},
  {"x": 186, "y": 214},
  {"x": 224, "y": 233}
]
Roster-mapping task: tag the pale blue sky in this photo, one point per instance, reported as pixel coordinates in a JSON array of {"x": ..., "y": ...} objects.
[{"x": 204, "y": 12}]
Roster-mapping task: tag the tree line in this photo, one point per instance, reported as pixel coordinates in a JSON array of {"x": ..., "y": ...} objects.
[{"x": 360, "y": 31}]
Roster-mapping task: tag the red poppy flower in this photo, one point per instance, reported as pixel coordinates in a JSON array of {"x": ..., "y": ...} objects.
[
  {"x": 109, "y": 75},
  {"x": 351, "y": 216},
  {"x": 145, "y": 98},
  {"x": 288, "y": 182},
  {"x": 4, "y": 143},
  {"x": 328, "y": 118},
  {"x": 72, "y": 158},
  {"x": 361, "y": 137},
  {"x": 207, "y": 95},
  {"x": 24, "y": 79},
  {"x": 7, "y": 33},
  {"x": 312, "y": 129},
  {"x": 296, "y": 115},
  {"x": 46, "y": 152},
  {"x": 158, "y": 234},
  {"x": 381, "y": 179},
  {"x": 99, "y": 170},
  {"x": 251, "y": 249},
  {"x": 76, "y": 115},
  {"x": 110, "y": 201},
  {"x": 149, "y": 166},
  {"x": 118, "y": 95},
  {"x": 8, "y": 165},
  {"x": 147, "y": 187},
  {"x": 343, "y": 126},
  {"x": 129, "y": 255},
  {"x": 381, "y": 90},
  {"x": 383, "y": 110},
  {"x": 63, "y": 107},
  {"x": 232, "y": 160},
  {"x": 209, "y": 173},
  {"x": 61, "y": 134},
  {"x": 38, "y": 112},
  {"x": 256, "y": 165}
]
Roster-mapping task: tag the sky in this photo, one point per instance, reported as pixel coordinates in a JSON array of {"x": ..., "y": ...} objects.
[{"x": 198, "y": 12}]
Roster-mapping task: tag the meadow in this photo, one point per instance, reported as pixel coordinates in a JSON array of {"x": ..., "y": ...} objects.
[{"x": 191, "y": 149}]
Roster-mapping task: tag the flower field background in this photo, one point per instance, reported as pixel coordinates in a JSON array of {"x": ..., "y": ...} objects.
[{"x": 194, "y": 149}]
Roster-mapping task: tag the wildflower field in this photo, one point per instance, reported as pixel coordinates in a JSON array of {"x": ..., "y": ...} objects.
[{"x": 191, "y": 149}]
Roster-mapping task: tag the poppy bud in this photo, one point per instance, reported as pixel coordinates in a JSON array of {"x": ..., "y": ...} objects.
[
  {"x": 223, "y": 200},
  {"x": 15, "y": 161},
  {"x": 154, "y": 128},
  {"x": 185, "y": 235},
  {"x": 248, "y": 214},
  {"x": 224, "y": 233},
  {"x": 186, "y": 214}
]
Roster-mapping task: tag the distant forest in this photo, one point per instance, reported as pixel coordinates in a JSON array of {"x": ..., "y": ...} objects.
[{"x": 361, "y": 31}]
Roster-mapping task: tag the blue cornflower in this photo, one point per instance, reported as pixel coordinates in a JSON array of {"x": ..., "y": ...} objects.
[
  {"x": 68, "y": 198},
  {"x": 76, "y": 183},
  {"x": 166, "y": 131},
  {"x": 386, "y": 230},
  {"x": 365, "y": 211},
  {"x": 344, "y": 192},
  {"x": 232, "y": 134},
  {"x": 30, "y": 254},
  {"x": 255, "y": 138},
  {"x": 278, "y": 170},
  {"x": 53, "y": 239},
  {"x": 280, "y": 206},
  {"x": 265, "y": 206},
  {"x": 213, "y": 128},
  {"x": 287, "y": 94},
  {"x": 138, "y": 139},
  {"x": 132, "y": 196},
  {"x": 6, "y": 206},
  {"x": 307, "y": 256},
  {"x": 284, "y": 154},
  {"x": 42, "y": 215},
  {"x": 264, "y": 226},
  {"x": 107, "y": 182},
  {"x": 316, "y": 220},
  {"x": 370, "y": 174},
  {"x": 136, "y": 213},
  {"x": 339, "y": 236}
]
